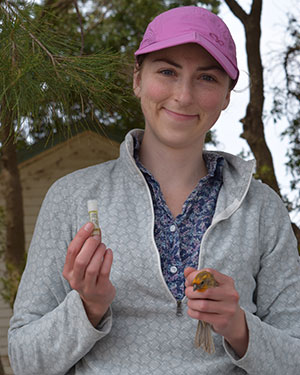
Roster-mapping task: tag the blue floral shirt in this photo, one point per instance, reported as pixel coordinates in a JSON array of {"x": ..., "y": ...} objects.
[{"x": 178, "y": 239}]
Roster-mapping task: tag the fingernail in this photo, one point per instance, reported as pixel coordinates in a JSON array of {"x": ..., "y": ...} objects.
[
  {"x": 97, "y": 237},
  {"x": 88, "y": 227}
]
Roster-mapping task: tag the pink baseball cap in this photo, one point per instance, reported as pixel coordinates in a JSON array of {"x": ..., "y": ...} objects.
[{"x": 191, "y": 24}]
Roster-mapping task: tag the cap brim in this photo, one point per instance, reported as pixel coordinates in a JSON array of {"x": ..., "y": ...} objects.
[{"x": 194, "y": 37}]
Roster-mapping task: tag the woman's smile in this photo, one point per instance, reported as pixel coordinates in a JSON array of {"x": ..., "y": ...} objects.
[{"x": 177, "y": 116}]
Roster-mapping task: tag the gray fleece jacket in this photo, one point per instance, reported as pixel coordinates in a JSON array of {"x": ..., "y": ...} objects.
[{"x": 250, "y": 239}]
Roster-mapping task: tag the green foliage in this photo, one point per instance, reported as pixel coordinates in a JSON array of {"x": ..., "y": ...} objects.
[{"x": 44, "y": 82}]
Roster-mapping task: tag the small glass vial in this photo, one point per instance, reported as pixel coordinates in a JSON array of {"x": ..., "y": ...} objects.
[{"x": 93, "y": 215}]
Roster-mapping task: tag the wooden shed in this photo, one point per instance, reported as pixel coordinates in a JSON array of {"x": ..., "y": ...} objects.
[{"x": 37, "y": 173}]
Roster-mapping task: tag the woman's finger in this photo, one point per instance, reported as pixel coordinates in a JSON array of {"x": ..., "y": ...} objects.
[
  {"x": 84, "y": 257},
  {"x": 93, "y": 269},
  {"x": 188, "y": 270},
  {"x": 106, "y": 265},
  {"x": 210, "y": 318},
  {"x": 205, "y": 306},
  {"x": 75, "y": 246}
]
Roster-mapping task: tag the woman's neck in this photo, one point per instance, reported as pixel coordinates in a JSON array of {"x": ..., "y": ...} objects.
[
  {"x": 184, "y": 165},
  {"x": 177, "y": 171}
]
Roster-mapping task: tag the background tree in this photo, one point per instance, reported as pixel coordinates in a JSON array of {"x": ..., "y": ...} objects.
[
  {"x": 43, "y": 76},
  {"x": 286, "y": 99},
  {"x": 253, "y": 125}
]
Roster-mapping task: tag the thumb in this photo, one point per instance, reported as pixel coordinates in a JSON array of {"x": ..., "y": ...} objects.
[{"x": 188, "y": 271}]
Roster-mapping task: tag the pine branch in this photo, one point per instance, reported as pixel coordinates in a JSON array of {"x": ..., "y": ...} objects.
[
  {"x": 38, "y": 42},
  {"x": 51, "y": 84}
]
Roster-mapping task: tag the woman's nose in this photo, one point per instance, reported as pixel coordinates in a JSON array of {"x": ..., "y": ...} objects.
[{"x": 184, "y": 92}]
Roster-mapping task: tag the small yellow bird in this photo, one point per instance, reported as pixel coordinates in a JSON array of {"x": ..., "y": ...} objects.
[{"x": 203, "y": 338}]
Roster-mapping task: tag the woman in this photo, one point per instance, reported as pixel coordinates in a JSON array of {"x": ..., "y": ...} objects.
[{"x": 167, "y": 208}]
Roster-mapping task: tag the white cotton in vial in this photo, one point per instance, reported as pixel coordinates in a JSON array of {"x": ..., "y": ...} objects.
[{"x": 93, "y": 215}]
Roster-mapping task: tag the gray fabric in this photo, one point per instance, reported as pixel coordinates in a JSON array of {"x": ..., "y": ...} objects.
[{"x": 250, "y": 239}]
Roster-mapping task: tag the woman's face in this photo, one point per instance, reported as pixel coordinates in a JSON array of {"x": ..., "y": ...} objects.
[{"x": 182, "y": 91}]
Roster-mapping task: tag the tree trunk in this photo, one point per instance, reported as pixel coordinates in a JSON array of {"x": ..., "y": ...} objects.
[
  {"x": 253, "y": 127},
  {"x": 14, "y": 220},
  {"x": 1, "y": 369}
]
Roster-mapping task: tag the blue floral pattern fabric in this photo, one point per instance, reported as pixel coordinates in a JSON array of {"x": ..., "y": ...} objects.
[{"x": 178, "y": 239}]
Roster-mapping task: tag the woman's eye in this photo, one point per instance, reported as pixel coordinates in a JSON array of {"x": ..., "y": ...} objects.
[
  {"x": 207, "y": 77},
  {"x": 166, "y": 72}
]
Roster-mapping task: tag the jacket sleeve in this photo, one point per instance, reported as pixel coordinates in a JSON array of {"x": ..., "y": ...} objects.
[
  {"x": 48, "y": 315},
  {"x": 274, "y": 331}
]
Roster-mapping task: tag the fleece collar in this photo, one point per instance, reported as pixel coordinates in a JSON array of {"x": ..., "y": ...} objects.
[{"x": 237, "y": 174}]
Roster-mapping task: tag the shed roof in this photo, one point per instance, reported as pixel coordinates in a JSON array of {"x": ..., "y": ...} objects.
[{"x": 110, "y": 133}]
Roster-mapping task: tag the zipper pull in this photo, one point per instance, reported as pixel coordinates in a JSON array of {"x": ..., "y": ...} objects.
[{"x": 179, "y": 308}]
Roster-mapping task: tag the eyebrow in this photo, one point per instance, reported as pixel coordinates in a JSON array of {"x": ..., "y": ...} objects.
[{"x": 200, "y": 68}]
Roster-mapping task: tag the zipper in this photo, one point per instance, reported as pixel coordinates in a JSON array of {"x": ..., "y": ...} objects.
[{"x": 179, "y": 308}]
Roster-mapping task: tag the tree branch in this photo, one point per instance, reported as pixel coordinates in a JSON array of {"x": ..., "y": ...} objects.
[
  {"x": 41, "y": 45},
  {"x": 38, "y": 42},
  {"x": 237, "y": 10},
  {"x": 256, "y": 8}
]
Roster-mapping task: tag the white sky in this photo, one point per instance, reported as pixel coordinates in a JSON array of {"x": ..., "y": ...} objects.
[{"x": 228, "y": 127}]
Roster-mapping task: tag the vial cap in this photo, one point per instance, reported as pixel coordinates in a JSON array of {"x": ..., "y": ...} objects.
[{"x": 92, "y": 205}]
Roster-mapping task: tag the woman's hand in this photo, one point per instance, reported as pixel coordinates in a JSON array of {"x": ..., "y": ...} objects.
[
  {"x": 219, "y": 307},
  {"x": 87, "y": 269}
]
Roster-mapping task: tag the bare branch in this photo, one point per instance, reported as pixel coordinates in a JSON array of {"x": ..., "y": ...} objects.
[
  {"x": 237, "y": 10},
  {"x": 256, "y": 8}
]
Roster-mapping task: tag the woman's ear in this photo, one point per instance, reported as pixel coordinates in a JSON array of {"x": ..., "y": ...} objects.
[
  {"x": 137, "y": 83},
  {"x": 226, "y": 100}
]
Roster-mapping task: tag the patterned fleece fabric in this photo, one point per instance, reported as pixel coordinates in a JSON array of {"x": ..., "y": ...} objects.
[{"x": 250, "y": 239}]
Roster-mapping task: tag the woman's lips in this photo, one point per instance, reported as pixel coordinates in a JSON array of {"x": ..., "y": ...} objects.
[{"x": 180, "y": 116}]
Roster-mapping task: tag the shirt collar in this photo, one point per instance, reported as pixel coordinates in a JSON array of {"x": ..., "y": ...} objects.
[{"x": 214, "y": 162}]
